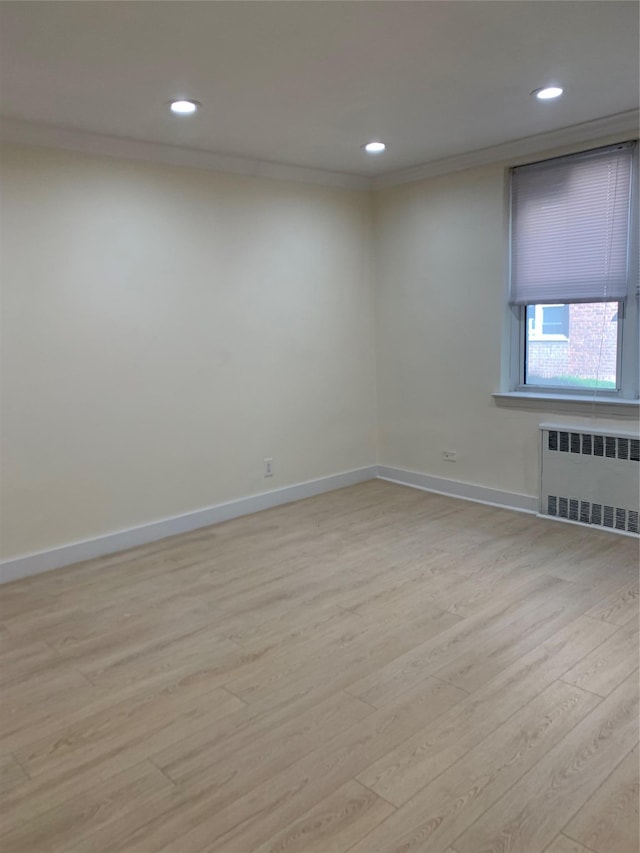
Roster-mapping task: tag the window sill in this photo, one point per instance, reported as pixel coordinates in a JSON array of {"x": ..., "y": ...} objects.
[{"x": 576, "y": 403}]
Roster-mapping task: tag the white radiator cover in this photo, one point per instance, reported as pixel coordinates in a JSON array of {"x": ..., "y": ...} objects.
[{"x": 590, "y": 477}]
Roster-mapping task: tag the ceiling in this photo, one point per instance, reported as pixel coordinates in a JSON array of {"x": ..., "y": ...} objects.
[{"x": 307, "y": 83}]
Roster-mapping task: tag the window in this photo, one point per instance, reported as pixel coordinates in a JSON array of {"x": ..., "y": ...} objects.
[
  {"x": 574, "y": 308},
  {"x": 547, "y": 322}
]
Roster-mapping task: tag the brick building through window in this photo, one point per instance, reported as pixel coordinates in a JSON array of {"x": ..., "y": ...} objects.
[{"x": 573, "y": 344}]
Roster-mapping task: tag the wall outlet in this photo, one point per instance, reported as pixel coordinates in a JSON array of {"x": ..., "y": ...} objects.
[
  {"x": 268, "y": 467},
  {"x": 449, "y": 455}
]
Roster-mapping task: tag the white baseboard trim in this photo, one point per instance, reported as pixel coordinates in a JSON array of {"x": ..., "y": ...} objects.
[
  {"x": 120, "y": 540},
  {"x": 455, "y": 489}
]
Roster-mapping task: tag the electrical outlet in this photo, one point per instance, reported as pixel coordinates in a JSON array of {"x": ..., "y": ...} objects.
[
  {"x": 268, "y": 467},
  {"x": 449, "y": 455}
]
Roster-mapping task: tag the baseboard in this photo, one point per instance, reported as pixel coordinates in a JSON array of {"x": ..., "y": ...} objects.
[
  {"x": 455, "y": 489},
  {"x": 121, "y": 540},
  {"x": 76, "y": 552}
]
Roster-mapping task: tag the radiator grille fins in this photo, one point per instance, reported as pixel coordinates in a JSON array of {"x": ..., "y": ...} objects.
[
  {"x": 616, "y": 518},
  {"x": 590, "y": 478},
  {"x": 608, "y": 446}
]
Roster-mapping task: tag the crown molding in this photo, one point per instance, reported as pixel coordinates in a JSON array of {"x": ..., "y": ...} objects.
[
  {"x": 620, "y": 123},
  {"x": 27, "y": 133},
  {"x": 20, "y": 132}
]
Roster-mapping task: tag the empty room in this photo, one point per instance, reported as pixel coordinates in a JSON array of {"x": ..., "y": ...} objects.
[{"x": 320, "y": 453}]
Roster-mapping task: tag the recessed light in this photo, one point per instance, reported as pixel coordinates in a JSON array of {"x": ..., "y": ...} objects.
[
  {"x": 548, "y": 93},
  {"x": 183, "y": 107},
  {"x": 374, "y": 147}
]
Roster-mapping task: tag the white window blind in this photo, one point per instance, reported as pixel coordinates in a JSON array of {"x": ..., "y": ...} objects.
[{"x": 570, "y": 228}]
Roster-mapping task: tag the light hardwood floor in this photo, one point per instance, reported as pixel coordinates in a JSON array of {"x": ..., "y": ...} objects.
[{"x": 375, "y": 670}]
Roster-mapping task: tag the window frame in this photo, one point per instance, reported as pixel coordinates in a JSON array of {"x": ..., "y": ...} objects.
[{"x": 628, "y": 322}]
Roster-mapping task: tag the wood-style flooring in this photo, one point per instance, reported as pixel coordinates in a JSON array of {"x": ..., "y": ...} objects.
[{"x": 375, "y": 670}]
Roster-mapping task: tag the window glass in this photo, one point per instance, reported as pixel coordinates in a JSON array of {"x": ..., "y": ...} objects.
[{"x": 572, "y": 346}]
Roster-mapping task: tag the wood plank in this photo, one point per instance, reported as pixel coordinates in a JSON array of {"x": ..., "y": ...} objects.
[
  {"x": 11, "y": 773},
  {"x": 300, "y": 623},
  {"x": 609, "y": 664},
  {"x": 404, "y": 771},
  {"x": 132, "y": 727},
  {"x": 191, "y": 652},
  {"x": 486, "y": 659},
  {"x": 336, "y": 823},
  {"x": 439, "y": 813},
  {"x": 529, "y": 816},
  {"x": 30, "y": 699},
  {"x": 587, "y": 559},
  {"x": 67, "y": 825},
  {"x": 608, "y": 821},
  {"x": 19, "y": 664},
  {"x": 245, "y": 758},
  {"x": 562, "y": 844},
  {"x": 68, "y": 760},
  {"x": 465, "y": 636},
  {"x": 461, "y": 622},
  {"x": 235, "y": 770},
  {"x": 219, "y": 816},
  {"x": 339, "y": 658},
  {"x": 289, "y": 794},
  {"x": 619, "y": 607},
  {"x": 468, "y": 596},
  {"x": 263, "y": 743}
]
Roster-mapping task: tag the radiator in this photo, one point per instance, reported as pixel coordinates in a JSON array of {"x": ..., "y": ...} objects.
[{"x": 590, "y": 477}]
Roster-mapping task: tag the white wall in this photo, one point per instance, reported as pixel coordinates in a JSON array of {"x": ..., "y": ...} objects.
[
  {"x": 164, "y": 330},
  {"x": 441, "y": 295}
]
